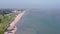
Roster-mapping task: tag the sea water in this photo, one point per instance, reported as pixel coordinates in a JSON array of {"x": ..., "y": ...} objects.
[{"x": 39, "y": 22}]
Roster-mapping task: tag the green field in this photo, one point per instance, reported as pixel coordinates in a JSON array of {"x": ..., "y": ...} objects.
[{"x": 6, "y": 20}]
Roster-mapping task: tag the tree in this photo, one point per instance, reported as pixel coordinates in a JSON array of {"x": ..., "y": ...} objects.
[
  {"x": 2, "y": 12},
  {"x": 0, "y": 20}
]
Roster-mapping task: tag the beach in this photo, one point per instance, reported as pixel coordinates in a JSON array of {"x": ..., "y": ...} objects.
[
  {"x": 14, "y": 23},
  {"x": 19, "y": 16}
]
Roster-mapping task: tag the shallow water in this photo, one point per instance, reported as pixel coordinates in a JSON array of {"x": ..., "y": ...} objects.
[{"x": 39, "y": 22}]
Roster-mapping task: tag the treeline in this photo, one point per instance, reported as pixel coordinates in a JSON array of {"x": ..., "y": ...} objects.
[{"x": 5, "y": 11}]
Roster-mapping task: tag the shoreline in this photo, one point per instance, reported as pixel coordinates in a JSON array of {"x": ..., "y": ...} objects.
[
  {"x": 14, "y": 23},
  {"x": 18, "y": 17}
]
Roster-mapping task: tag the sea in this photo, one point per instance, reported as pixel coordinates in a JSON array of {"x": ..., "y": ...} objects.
[{"x": 39, "y": 21}]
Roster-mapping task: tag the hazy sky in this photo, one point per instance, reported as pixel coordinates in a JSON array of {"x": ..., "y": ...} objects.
[{"x": 29, "y": 3}]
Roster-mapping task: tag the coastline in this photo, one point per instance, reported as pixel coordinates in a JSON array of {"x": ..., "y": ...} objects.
[{"x": 14, "y": 23}]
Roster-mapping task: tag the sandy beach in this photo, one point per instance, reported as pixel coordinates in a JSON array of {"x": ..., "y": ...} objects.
[
  {"x": 17, "y": 18},
  {"x": 14, "y": 23}
]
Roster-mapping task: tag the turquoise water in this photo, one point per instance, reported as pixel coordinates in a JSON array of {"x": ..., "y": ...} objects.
[{"x": 39, "y": 22}]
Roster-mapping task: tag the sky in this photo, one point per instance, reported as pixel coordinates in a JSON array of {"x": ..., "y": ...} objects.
[{"x": 29, "y": 4}]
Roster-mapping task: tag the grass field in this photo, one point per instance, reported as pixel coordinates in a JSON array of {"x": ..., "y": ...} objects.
[{"x": 6, "y": 20}]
